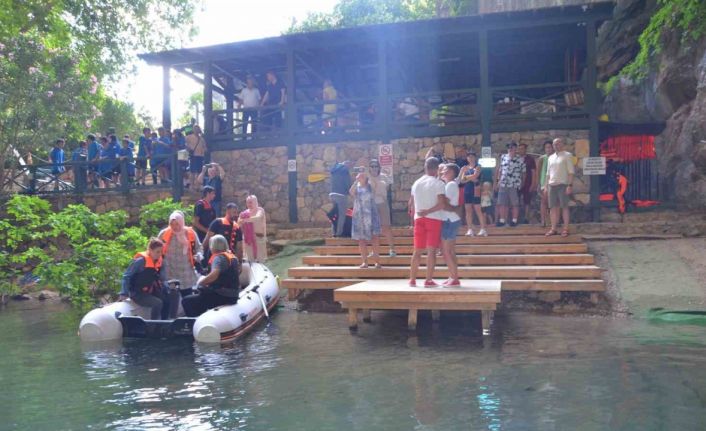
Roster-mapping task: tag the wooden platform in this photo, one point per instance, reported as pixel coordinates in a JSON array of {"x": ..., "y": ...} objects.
[
  {"x": 515, "y": 259},
  {"x": 472, "y": 295}
]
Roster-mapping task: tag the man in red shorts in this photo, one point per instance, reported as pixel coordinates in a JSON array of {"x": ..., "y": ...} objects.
[
  {"x": 425, "y": 204},
  {"x": 529, "y": 186}
]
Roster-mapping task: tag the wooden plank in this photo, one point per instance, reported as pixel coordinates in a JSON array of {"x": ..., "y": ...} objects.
[
  {"x": 566, "y": 285},
  {"x": 382, "y": 291},
  {"x": 412, "y": 319},
  {"x": 470, "y": 249},
  {"x": 451, "y": 306},
  {"x": 494, "y": 272},
  {"x": 492, "y": 230},
  {"x": 482, "y": 260},
  {"x": 463, "y": 240},
  {"x": 554, "y": 285}
]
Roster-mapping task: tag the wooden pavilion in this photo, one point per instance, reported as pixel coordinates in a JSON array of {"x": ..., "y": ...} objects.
[{"x": 482, "y": 74}]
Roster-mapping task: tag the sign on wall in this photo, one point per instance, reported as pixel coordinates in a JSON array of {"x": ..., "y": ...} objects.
[
  {"x": 291, "y": 165},
  {"x": 385, "y": 157},
  {"x": 593, "y": 165}
]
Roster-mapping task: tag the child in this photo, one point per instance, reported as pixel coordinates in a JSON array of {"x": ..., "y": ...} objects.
[
  {"x": 126, "y": 153},
  {"x": 486, "y": 202}
]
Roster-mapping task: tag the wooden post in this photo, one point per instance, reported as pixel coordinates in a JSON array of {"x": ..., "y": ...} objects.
[
  {"x": 382, "y": 108},
  {"x": 591, "y": 98},
  {"x": 353, "y": 319},
  {"x": 291, "y": 124},
  {"x": 208, "y": 100},
  {"x": 292, "y": 294},
  {"x": 230, "y": 104},
  {"x": 166, "y": 98},
  {"x": 366, "y": 316},
  {"x": 412, "y": 319},
  {"x": 485, "y": 97},
  {"x": 486, "y": 317}
]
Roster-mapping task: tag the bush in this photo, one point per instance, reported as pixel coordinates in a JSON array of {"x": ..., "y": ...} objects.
[
  {"x": 76, "y": 251},
  {"x": 155, "y": 216}
]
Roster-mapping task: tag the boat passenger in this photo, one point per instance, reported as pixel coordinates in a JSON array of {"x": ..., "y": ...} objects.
[
  {"x": 231, "y": 231},
  {"x": 145, "y": 282},
  {"x": 220, "y": 286},
  {"x": 182, "y": 250}
]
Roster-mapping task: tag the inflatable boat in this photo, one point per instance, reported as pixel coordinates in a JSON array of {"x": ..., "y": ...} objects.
[{"x": 126, "y": 319}]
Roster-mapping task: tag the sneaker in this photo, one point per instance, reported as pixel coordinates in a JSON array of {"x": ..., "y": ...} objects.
[
  {"x": 412, "y": 283},
  {"x": 392, "y": 253},
  {"x": 430, "y": 283},
  {"x": 452, "y": 283},
  {"x": 500, "y": 224},
  {"x": 469, "y": 232},
  {"x": 482, "y": 232},
  {"x": 512, "y": 223}
]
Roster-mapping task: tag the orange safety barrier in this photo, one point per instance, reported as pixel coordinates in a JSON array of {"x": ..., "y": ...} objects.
[{"x": 629, "y": 148}]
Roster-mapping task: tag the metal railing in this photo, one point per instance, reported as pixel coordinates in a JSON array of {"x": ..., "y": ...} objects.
[
  {"x": 102, "y": 176},
  {"x": 439, "y": 109},
  {"x": 553, "y": 101}
]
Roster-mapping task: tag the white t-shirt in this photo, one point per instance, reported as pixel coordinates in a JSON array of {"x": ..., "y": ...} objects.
[
  {"x": 425, "y": 192},
  {"x": 451, "y": 191},
  {"x": 559, "y": 166},
  {"x": 250, "y": 97},
  {"x": 380, "y": 184}
]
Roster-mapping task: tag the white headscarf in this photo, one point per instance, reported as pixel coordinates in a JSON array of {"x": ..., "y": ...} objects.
[{"x": 181, "y": 235}]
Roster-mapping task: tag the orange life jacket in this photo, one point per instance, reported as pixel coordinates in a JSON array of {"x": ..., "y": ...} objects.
[
  {"x": 190, "y": 236},
  {"x": 147, "y": 281},
  {"x": 233, "y": 230}
]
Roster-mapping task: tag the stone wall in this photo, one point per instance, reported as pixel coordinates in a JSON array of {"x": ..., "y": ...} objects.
[
  {"x": 110, "y": 201},
  {"x": 264, "y": 171}
]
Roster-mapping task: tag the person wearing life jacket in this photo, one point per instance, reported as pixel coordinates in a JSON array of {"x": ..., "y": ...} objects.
[
  {"x": 204, "y": 212},
  {"x": 230, "y": 230},
  {"x": 622, "y": 188},
  {"x": 221, "y": 285},
  {"x": 181, "y": 252},
  {"x": 144, "y": 281}
]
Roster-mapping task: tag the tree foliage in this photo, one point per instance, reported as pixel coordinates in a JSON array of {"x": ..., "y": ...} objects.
[
  {"x": 351, "y": 13},
  {"x": 687, "y": 17},
  {"x": 79, "y": 253}
]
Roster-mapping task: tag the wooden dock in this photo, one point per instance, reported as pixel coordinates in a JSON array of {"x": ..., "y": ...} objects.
[
  {"x": 472, "y": 295},
  {"x": 515, "y": 259}
]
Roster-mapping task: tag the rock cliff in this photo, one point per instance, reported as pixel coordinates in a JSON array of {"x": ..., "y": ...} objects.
[{"x": 674, "y": 93}]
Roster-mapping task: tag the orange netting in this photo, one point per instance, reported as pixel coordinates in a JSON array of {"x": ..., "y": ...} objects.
[{"x": 629, "y": 148}]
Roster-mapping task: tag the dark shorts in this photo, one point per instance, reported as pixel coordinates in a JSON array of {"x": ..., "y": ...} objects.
[
  {"x": 195, "y": 164},
  {"x": 527, "y": 196},
  {"x": 449, "y": 229},
  {"x": 469, "y": 194},
  {"x": 141, "y": 164}
]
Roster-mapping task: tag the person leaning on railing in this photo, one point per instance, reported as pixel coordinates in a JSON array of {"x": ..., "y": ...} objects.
[{"x": 56, "y": 157}]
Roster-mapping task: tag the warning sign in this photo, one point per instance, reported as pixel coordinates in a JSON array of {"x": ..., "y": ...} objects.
[
  {"x": 593, "y": 166},
  {"x": 385, "y": 157}
]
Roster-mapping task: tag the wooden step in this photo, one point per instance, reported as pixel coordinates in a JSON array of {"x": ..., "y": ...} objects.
[
  {"x": 566, "y": 285},
  {"x": 492, "y": 230},
  {"x": 470, "y": 249},
  {"x": 462, "y": 240},
  {"x": 499, "y": 272},
  {"x": 481, "y": 260}
]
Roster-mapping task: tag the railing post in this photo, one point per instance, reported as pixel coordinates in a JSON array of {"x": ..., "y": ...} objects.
[
  {"x": 177, "y": 180},
  {"x": 124, "y": 178},
  {"x": 32, "y": 179},
  {"x": 80, "y": 172}
]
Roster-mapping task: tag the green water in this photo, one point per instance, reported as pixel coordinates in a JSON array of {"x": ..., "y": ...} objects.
[{"x": 304, "y": 371}]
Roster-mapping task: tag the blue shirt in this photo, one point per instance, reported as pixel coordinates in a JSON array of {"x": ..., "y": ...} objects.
[
  {"x": 138, "y": 265},
  {"x": 163, "y": 149},
  {"x": 145, "y": 147},
  {"x": 78, "y": 155},
  {"x": 94, "y": 149},
  {"x": 129, "y": 156},
  {"x": 107, "y": 159},
  {"x": 57, "y": 160}
]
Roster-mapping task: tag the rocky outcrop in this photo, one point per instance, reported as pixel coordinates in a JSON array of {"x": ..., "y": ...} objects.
[{"x": 674, "y": 93}]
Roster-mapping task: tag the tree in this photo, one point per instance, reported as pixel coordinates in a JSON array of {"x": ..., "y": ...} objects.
[
  {"x": 53, "y": 55},
  {"x": 351, "y": 13}
]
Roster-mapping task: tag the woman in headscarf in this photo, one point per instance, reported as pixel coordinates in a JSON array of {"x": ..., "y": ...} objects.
[
  {"x": 253, "y": 222},
  {"x": 182, "y": 249}
]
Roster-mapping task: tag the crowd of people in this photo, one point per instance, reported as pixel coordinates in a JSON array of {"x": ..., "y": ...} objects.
[
  {"x": 450, "y": 191},
  {"x": 205, "y": 258},
  {"x": 110, "y": 162}
]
